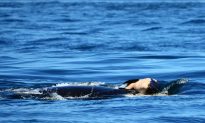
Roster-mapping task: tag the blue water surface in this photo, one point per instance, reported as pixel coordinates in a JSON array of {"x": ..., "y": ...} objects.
[{"x": 44, "y": 43}]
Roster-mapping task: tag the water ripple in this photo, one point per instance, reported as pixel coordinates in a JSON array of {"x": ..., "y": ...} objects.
[
  {"x": 152, "y": 29},
  {"x": 198, "y": 22},
  {"x": 43, "y": 43}
]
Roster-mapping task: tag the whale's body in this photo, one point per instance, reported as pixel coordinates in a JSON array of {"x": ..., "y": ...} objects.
[
  {"x": 170, "y": 88},
  {"x": 94, "y": 92},
  {"x": 90, "y": 91}
]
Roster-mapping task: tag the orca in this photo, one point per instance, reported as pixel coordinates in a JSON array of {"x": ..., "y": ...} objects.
[
  {"x": 170, "y": 88},
  {"x": 91, "y": 92}
]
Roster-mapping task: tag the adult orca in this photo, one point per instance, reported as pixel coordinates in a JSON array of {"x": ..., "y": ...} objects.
[
  {"x": 89, "y": 92},
  {"x": 170, "y": 88}
]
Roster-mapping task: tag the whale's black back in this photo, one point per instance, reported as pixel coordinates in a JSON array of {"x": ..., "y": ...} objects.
[
  {"x": 170, "y": 88},
  {"x": 91, "y": 91}
]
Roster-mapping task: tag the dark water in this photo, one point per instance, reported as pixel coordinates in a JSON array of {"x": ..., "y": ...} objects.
[{"x": 44, "y": 43}]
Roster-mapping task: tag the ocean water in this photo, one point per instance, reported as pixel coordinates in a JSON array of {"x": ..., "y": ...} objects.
[{"x": 58, "y": 42}]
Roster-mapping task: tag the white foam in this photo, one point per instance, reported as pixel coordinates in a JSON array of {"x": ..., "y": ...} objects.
[
  {"x": 26, "y": 91},
  {"x": 55, "y": 96},
  {"x": 80, "y": 97},
  {"x": 184, "y": 80},
  {"x": 79, "y": 84},
  {"x": 122, "y": 86},
  {"x": 161, "y": 94},
  {"x": 136, "y": 95}
]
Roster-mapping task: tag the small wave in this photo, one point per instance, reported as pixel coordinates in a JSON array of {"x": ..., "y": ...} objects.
[
  {"x": 26, "y": 91},
  {"x": 162, "y": 57},
  {"x": 50, "y": 39},
  {"x": 79, "y": 84},
  {"x": 43, "y": 42},
  {"x": 7, "y": 58},
  {"x": 5, "y": 42},
  {"x": 54, "y": 71},
  {"x": 152, "y": 28},
  {"x": 129, "y": 47},
  {"x": 4, "y": 15},
  {"x": 194, "y": 22},
  {"x": 10, "y": 4},
  {"x": 21, "y": 93},
  {"x": 195, "y": 74},
  {"x": 86, "y": 47},
  {"x": 10, "y": 20},
  {"x": 67, "y": 20},
  {"x": 2, "y": 42},
  {"x": 6, "y": 84},
  {"x": 75, "y": 33}
]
